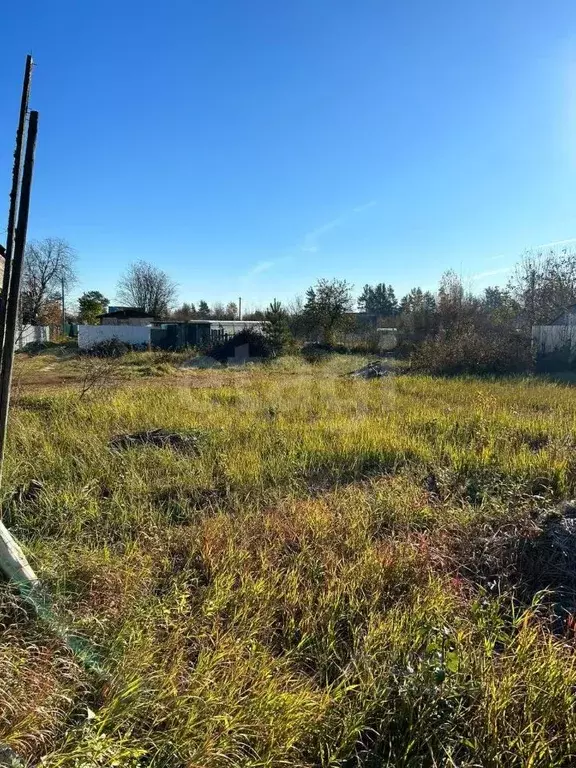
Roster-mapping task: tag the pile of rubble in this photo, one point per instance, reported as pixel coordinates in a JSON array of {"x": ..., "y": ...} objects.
[{"x": 373, "y": 370}]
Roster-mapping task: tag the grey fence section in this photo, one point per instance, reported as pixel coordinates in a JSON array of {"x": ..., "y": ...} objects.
[
  {"x": 554, "y": 346},
  {"x": 197, "y": 333}
]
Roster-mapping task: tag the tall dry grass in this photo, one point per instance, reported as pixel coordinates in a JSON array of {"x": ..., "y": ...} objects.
[{"x": 309, "y": 590}]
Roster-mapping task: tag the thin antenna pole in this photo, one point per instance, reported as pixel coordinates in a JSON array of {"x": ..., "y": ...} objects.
[
  {"x": 239, "y": 307},
  {"x": 14, "y": 292},
  {"x": 14, "y": 197}
]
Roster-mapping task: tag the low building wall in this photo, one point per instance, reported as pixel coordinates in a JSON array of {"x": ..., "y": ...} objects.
[
  {"x": 387, "y": 339},
  {"x": 89, "y": 335}
]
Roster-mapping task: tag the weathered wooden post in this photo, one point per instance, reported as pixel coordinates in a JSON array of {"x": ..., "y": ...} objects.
[
  {"x": 12, "y": 560},
  {"x": 13, "y": 298},
  {"x": 14, "y": 196}
]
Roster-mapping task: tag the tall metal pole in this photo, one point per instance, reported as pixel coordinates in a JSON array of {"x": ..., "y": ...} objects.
[
  {"x": 14, "y": 197},
  {"x": 14, "y": 292}
]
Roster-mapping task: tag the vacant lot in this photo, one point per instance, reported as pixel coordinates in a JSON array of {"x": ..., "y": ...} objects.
[{"x": 344, "y": 573}]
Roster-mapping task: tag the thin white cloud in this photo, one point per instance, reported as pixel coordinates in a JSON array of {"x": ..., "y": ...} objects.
[
  {"x": 262, "y": 266},
  {"x": 491, "y": 273},
  {"x": 541, "y": 247},
  {"x": 364, "y": 207},
  {"x": 311, "y": 244},
  {"x": 555, "y": 243}
]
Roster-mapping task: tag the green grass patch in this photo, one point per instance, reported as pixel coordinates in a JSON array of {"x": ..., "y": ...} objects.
[{"x": 315, "y": 588}]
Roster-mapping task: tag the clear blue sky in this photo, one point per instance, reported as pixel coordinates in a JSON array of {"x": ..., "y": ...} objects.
[{"x": 249, "y": 147}]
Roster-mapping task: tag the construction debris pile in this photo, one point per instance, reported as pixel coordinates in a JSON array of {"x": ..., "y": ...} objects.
[{"x": 373, "y": 370}]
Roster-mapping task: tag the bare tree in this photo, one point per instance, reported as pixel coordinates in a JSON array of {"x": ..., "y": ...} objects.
[
  {"x": 218, "y": 311},
  {"x": 231, "y": 310},
  {"x": 544, "y": 284},
  {"x": 146, "y": 287},
  {"x": 48, "y": 266}
]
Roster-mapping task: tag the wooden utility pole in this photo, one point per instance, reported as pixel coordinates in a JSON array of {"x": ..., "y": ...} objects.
[
  {"x": 63, "y": 309},
  {"x": 12, "y": 560},
  {"x": 14, "y": 196},
  {"x": 15, "y": 278}
]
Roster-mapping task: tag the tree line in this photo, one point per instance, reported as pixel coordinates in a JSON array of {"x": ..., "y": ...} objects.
[
  {"x": 50, "y": 273},
  {"x": 541, "y": 286}
]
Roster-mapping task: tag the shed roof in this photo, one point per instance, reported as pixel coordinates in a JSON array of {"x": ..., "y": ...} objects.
[
  {"x": 125, "y": 313},
  {"x": 210, "y": 321},
  {"x": 569, "y": 310}
]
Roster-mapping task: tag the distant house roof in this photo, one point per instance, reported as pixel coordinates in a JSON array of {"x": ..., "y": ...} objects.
[
  {"x": 570, "y": 310},
  {"x": 126, "y": 313}
]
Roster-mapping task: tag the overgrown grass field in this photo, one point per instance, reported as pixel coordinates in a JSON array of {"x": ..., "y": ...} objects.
[{"x": 332, "y": 580}]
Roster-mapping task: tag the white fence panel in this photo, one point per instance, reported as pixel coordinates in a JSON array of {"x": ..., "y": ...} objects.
[
  {"x": 31, "y": 333},
  {"x": 89, "y": 335}
]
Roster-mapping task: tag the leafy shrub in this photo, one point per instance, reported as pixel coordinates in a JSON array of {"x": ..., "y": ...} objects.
[
  {"x": 315, "y": 353},
  {"x": 314, "y": 349},
  {"x": 259, "y": 345},
  {"x": 474, "y": 351},
  {"x": 37, "y": 347},
  {"x": 367, "y": 345}
]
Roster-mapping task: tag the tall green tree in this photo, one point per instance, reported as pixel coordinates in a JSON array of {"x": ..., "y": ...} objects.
[
  {"x": 418, "y": 300},
  {"x": 90, "y": 305},
  {"x": 418, "y": 316},
  {"x": 186, "y": 312},
  {"x": 378, "y": 300},
  {"x": 499, "y": 305},
  {"x": 203, "y": 310},
  {"x": 277, "y": 330},
  {"x": 326, "y": 306}
]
